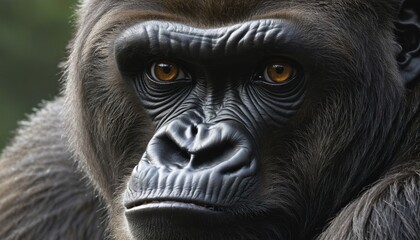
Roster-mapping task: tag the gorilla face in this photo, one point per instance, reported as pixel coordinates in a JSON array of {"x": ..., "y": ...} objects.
[
  {"x": 230, "y": 119},
  {"x": 212, "y": 98}
]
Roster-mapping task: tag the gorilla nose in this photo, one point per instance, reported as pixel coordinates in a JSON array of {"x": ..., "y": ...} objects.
[{"x": 225, "y": 147}]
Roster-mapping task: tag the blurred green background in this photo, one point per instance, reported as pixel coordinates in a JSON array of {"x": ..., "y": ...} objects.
[{"x": 33, "y": 39}]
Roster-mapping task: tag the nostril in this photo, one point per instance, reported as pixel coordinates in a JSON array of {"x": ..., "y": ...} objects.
[
  {"x": 194, "y": 129},
  {"x": 185, "y": 155},
  {"x": 213, "y": 155},
  {"x": 165, "y": 151},
  {"x": 198, "y": 147}
]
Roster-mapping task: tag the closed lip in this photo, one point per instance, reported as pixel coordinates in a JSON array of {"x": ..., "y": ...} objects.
[{"x": 166, "y": 203}]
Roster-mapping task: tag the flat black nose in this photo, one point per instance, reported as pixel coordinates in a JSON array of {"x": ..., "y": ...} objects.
[{"x": 183, "y": 144}]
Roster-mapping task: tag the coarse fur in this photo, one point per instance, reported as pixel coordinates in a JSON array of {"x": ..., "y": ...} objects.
[{"x": 345, "y": 166}]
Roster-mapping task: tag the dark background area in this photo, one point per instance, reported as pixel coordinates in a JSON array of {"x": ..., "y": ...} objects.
[{"x": 33, "y": 39}]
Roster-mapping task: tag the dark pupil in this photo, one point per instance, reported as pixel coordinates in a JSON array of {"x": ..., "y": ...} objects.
[
  {"x": 279, "y": 69},
  {"x": 167, "y": 69}
]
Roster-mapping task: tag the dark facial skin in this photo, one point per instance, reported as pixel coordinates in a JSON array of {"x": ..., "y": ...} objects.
[
  {"x": 203, "y": 159},
  {"x": 238, "y": 120}
]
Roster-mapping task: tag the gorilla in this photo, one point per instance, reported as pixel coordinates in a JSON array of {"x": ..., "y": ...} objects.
[{"x": 225, "y": 119}]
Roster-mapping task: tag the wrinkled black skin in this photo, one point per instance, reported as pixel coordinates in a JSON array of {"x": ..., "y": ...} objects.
[
  {"x": 209, "y": 126},
  {"x": 223, "y": 152}
]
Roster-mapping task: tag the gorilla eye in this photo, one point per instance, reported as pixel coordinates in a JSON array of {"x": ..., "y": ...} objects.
[
  {"x": 166, "y": 71},
  {"x": 279, "y": 72}
]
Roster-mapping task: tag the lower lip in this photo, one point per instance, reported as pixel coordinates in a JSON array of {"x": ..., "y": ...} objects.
[
  {"x": 173, "y": 213},
  {"x": 169, "y": 205},
  {"x": 174, "y": 217}
]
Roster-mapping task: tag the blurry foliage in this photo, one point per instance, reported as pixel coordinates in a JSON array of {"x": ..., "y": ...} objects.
[{"x": 33, "y": 39}]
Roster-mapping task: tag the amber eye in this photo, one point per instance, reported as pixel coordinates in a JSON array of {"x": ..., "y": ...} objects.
[
  {"x": 279, "y": 72},
  {"x": 165, "y": 71}
]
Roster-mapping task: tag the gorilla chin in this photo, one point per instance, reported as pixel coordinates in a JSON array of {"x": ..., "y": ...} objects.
[
  {"x": 172, "y": 218},
  {"x": 181, "y": 220}
]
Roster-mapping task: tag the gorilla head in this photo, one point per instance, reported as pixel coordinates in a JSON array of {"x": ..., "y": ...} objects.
[{"x": 239, "y": 119}]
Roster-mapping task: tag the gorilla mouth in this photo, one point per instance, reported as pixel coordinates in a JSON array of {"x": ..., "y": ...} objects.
[
  {"x": 174, "y": 203},
  {"x": 175, "y": 216}
]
